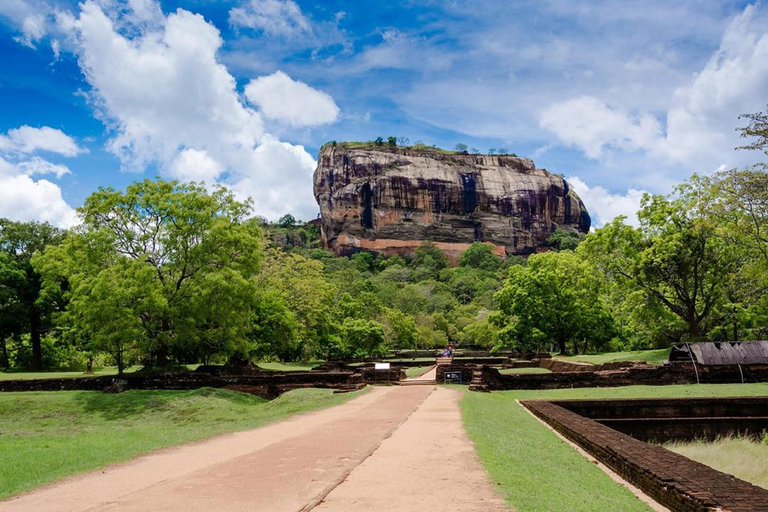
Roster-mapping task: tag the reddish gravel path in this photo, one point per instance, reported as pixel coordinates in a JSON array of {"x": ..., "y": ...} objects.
[{"x": 344, "y": 454}]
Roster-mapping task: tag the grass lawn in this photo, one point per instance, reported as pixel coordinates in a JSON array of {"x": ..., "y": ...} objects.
[
  {"x": 45, "y": 436},
  {"x": 536, "y": 471},
  {"x": 417, "y": 371},
  {"x": 97, "y": 372},
  {"x": 741, "y": 457},
  {"x": 288, "y": 367},
  {"x": 648, "y": 356},
  {"x": 523, "y": 370}
]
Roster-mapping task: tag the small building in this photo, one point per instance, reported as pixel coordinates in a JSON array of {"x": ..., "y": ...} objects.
[{"x": 710, "y": 353}]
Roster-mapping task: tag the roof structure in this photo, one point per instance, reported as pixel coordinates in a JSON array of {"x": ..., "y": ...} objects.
[{"x": 722, "y": 353}]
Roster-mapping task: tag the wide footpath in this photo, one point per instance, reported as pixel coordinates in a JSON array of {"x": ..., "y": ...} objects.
[{"x": 394, "y": 448}]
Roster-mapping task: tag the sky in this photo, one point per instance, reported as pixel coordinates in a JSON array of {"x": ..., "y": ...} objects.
[{"x": 622, "y": 97}]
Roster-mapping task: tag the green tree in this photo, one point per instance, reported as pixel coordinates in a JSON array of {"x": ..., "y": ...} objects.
[
  {"x": 401, "y": 330},
  {"x": 460, "y": 147},
  {"x": 302, "y": 285},
  {"x": 364, "y": 338},
  {"x": 392, "y": 141},
  {"x": 429, "y": 256},
  {"x": 480, "y": 255},
  {"x": 675, "y": 257},
  {"x": 565, "y": 239},
  {"x": 24, "y": 308},
  {"x": 286, "y": 221},
  {"x": 555, "y": 298},
  {"x": 159, "y": 249}
]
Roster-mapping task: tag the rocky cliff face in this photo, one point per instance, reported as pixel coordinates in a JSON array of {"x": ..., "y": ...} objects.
[{"x": 390, "y": 200}]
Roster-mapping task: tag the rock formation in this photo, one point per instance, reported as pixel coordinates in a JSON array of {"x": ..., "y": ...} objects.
[{"x": 390, "y": 200}]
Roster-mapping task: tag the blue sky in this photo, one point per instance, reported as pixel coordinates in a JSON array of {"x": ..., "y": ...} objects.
[{"x": 622, "y": 97}]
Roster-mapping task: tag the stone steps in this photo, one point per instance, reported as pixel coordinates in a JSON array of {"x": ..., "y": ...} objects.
[{"x": 416, "y": 382}]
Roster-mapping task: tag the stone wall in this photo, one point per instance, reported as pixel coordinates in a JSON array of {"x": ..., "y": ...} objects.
[
  {"x": 465, "y": 369},
  {"x": 266, "y": 385},
  {"x": 674, "y": 419},
  {"x": 672, "y": 480},
  {"x": 676, "y": 373}
]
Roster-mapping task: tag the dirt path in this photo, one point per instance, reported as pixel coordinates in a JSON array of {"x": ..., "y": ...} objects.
[
  {"x": 288, "y": 466},
  {"x": 429, "y": 463},
  {"x": 428, "y": 375}
]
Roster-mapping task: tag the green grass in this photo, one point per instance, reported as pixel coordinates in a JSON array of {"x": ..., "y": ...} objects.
[
  {"x": 415, "y": 359},
  {"x": 508, "y": 371},
  {"x": 288, "y": 367},
  {"x": 45, "y": 436},
  {"x": 741, "y": 457},
  {"x": 648, "y": 356},
  {"x": 372, "y": 145},
  {"x": 417, "y": 371},
  {"x": 536, "y": 471},
  {"x": 99, "y": 371},
  {"x": 106, "y": 370}
]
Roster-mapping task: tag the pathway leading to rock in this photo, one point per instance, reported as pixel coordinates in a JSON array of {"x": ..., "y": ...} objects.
[{"x": 344, "y": 455}]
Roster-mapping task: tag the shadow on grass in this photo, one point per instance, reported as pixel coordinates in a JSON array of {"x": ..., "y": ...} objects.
[{"x": 135, "y": 403}]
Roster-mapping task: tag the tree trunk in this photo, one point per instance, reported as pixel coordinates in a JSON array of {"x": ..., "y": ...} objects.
[
  {"x": 563, "y": 348},
  {"x": 34, "y": 339},
  {"x": 4, "y": 362}
]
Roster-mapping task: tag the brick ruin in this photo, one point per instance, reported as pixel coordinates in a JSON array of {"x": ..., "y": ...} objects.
[{"x": 679, "y": 483}]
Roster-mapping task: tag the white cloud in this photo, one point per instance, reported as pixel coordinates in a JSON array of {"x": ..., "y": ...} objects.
[
  {"x": 272, "y": 17},
  {"x": 701, "y": 121},
  {"x": 168, "y": 100},
  {"x": 284, "y": 99},
  {"x": 604, "y": 206},
  {"x": 288, "y": 188},
  {"x": 33, "y": 18},
  {"x": 27, "y": 139},
  {"x": 24, "y": 199},
  {"x": 36, "y": 166},
  {"x": 195, "y": 165},
  {"x": 591, "y": 125}
]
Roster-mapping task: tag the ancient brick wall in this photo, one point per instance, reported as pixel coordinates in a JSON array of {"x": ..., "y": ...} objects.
[
  {"x": 662, "y": 420},
  {"x": 466, "y": 371},
  {"x": 677, "y": 373},
  {"x": 673, "y": 480},
  {"x": 268, "y": 385}
]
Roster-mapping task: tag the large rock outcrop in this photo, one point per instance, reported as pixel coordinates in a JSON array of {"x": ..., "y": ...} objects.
[{"x": 390, "y": 200}]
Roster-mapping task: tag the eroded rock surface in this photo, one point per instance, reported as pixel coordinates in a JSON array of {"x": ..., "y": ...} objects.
[{"x": 390, "y": 200}]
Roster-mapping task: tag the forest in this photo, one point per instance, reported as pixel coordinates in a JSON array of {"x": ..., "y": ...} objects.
[{"x": 167, "y": 273}]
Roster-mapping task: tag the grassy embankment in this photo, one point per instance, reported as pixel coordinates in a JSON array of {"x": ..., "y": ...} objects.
[
  {"x": 45, "y": 436},
  {"x": 648, "y": 356},
  {"x": 744, "y": 458},
  {"x": 97, "y": 372},
  {"x": 536, "y": 471},
  {"x": 523, "y": 370},
  {"x": 112, "y": 370}
]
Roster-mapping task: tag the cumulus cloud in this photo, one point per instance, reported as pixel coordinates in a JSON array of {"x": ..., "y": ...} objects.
[
  {"x": 23, "y": 198},
  {"x": 29, "y": 16},
  {"x": 591, "y": 125},
  {"x": 36, "y": 166},
  {"x": 195, "y": 165},
  {"x": 280, "y": 97},
  {"x": 702, "y": 116},
  {"x": 605, "y": 206},
  {"x": 27, "y": 139},
  {"x": 168, "y": 100},
  {"x": 272, "y": 17}
]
